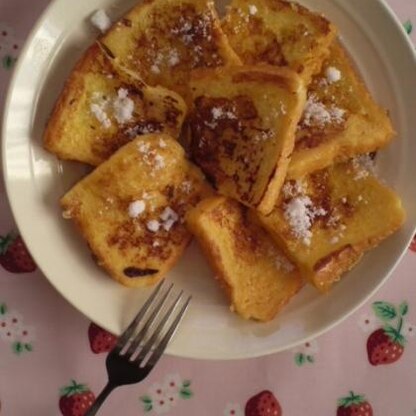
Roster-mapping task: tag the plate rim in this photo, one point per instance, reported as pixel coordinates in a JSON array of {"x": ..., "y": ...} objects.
[{"x": 405, "y": 39}]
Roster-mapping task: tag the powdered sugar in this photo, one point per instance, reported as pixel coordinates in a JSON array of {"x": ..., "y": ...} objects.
[
  {"x": 318, "y": 114},
  {"x": 101, "y": 20},
  {"x": 186, "y": 187},
  {"x": 162, "y": 144},
  {"x": 169, "y": 218},
  {"x": 159, "y": 162},
  {"x": 123, "y": 106},
  {"x": 363, "y": 166},
  {"x": 332, "y": 75},
  {"x": 136, "y": 208},
  {"x": 300, "y": 213},
  {"x": 173, "y": 57},
  {"x": 98, "y": 110},
  {"x": 153, "y": 226},
  {"x": 292, "y": 188},
  {"x": 283, "y": 264},
  {"x": 252, "y": 9}
]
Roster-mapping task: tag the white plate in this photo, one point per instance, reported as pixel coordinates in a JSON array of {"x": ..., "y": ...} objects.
[{"x": 35, "y": 180}]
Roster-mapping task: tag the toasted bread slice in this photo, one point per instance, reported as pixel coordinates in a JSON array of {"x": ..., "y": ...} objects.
[
  {"x": 327, "y": 220},
  {"x": 341, "y": 119},
  {"x": 102, "y": 107},
  {"x": 256, "y": 276},
  {"x": 278, "y": 32},
  {"x": 242, "y": 125},
  {"x": 165, "y": 39},
  {"x": 130, "y": 209}
]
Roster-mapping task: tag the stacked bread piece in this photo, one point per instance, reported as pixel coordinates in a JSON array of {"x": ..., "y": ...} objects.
[{"x": 255, "y": 134}]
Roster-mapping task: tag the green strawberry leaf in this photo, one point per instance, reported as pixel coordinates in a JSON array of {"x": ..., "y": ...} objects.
[
  {"x": 17, "y": 347},
  {"x": 5, "y": 243},
  {"x": 300, "y": 359},
  {"x": 403, "y": 308},
  {"x": 146, "y": 399},
  {"x": 310, "y": 359},
  {"x": 28, "y": 347},
  {"x": 73, "y": 388},
  {"x": 408, "y": 27},
  {"x": 186, "y": 383},
  {"x": 394, "y": 335},
  {"x": 148, "y": 407},
  {"x": 3, "y": 309},
  {"x": 352, "y": 399},
  {"x": 385, "y": 311},
  {"x": 8, "y": 61},
  {"x": 185, "y": 393}
]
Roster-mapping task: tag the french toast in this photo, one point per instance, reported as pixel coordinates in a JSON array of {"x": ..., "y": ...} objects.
[
  {"x": 256, "y": 276},
  {"x": 102, "y": 107},
  {"x": 163, "y": 40},
  {"x": 341, "y": 119},
  {"x": 131, "y": 208},
  {"x": 327, "y": 220},
  {"x": 280, "y": 33},
  {"x": 242, "y": 124}
]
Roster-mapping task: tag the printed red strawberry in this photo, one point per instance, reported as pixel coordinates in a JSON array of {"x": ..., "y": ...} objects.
[
  {"x": 354, "y": 405},
  {"x": 413, "y": 244},
  {"x": 386, "y": 345},
  {"x": 75, "y": 399},
  {"x": 100, "y": 339},
  {"x": 263, "y": 404},
  {"x": 14, "y": 256}
]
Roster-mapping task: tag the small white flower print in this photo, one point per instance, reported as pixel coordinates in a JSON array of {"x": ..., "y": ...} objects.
[
  {"x": 368, "y": 322},
  {"x": 156, "y": 390},
  {"x": 311, "y": 347},
  {"x": 172, "y": 398},
  {"x": 172, "y": 383},
  {"x": 8, "y": 335},
  {"x": 161, "y": 397},
  {"x": 161, "y": 406},
  {"x": 26, "y": 334},
  {"x": 409, "y": 330},
  {"x": 304, "y": 354},
  {"x": 13, "y": 330},
  {"x": 233, "y": 409}
]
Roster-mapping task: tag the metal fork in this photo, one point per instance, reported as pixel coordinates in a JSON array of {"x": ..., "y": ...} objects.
[{"x": 135, "y": 355}]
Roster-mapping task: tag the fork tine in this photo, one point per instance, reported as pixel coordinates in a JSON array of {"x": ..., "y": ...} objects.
[
  {"x": 142, "y": 333},
  {"x": 125, "y": 336},
  {"x": 152, "y": 340},
  {"x": 160, "y": 348}
]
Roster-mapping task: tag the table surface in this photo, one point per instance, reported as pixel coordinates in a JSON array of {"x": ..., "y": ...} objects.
[{"x": 45, "y": 344}]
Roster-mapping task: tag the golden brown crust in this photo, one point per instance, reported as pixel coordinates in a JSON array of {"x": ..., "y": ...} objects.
[
  {"x": 74, "y": 130},
  {"x": 350, "y": 212},
  {"x": 363, "y": 128},
  {"x": 131, "y": 249},
  {"x": 167, "y": 39},
  {"x": 279, "y": 33},
  {"x": 242, "y": 127},
  {"x": 256, "y": 277}
]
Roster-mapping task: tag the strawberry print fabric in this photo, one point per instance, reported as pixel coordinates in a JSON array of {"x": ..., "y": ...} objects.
[{"x": 52, "y": 358}]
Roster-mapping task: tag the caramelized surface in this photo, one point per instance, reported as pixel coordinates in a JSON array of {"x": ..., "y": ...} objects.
[
  {"x": 350, "y": 213},
  {"x": 256, "y": 276},
  {"x": 164, "y": 40},
  {"x": 242, "y": 129},
  {"x": 279, "y": 33},
  {"x": 152, "y": 170},
  {"x": 355, "y": 125},
  {"x": 74, "y": 132}
]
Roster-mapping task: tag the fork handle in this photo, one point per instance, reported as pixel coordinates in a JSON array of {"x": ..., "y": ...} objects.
[{"x": 100, "y": 399}]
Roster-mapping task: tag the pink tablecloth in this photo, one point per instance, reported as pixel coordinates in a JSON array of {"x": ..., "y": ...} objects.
[{"x": 45, "y": 343}]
